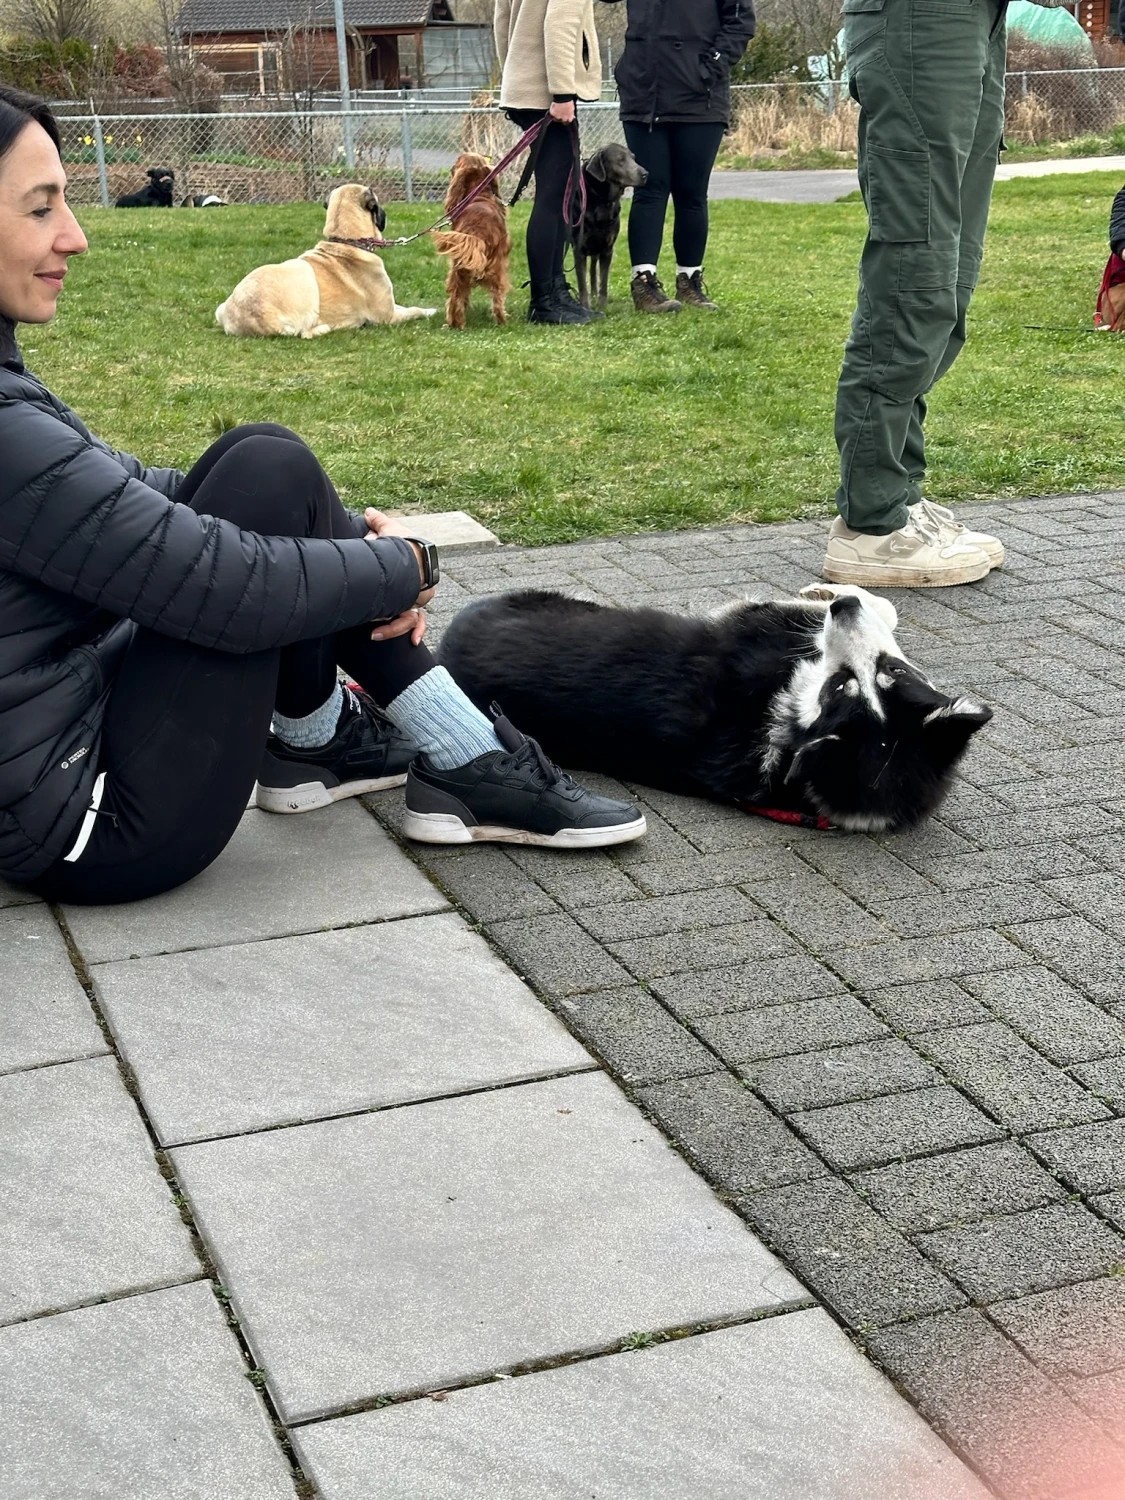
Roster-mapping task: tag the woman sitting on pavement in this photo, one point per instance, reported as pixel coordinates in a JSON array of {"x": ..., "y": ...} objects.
[
  {"x": 152, "y": 623},
  {"x": 673, "y": 79},
  {"x": 548, "y": 50}
]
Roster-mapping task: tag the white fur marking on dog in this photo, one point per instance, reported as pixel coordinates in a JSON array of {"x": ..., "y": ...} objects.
[{"x": 959, "y": 708}]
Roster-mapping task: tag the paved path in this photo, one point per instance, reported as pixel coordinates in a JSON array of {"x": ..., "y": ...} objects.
[
  {"x": 288, "y": 1151},
  {"x": 827, "y": 186}
]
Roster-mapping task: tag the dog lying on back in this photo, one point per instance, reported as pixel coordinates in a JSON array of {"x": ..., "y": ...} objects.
[
  {"x": 478, "y": 245},
  {"x": 804, "y": 706},
  {"x": 156, "y": 193},
  {"x": 607, "y": 174},
  {"x": 340, "y": 283}
]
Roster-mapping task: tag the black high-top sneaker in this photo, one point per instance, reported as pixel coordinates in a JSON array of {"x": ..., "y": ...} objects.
[
  {"x": 649, "y": 296},
  {"x": 564, "y": 293},
  {"x": 548, "y": 307},
  {"x": 512, "y": 796},
  {"x": 692, "y": 292},
  {"x": 366, "y": 754}
]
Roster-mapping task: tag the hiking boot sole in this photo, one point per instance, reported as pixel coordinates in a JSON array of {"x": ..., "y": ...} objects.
[
  {"x": 448, "y": 828},
  {"x": 870, "y": 575},
  {"x": 310, "y": 795}
]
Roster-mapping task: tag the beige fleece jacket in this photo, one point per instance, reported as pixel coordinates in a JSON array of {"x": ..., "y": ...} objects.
[{"x": 547, "y": 49}]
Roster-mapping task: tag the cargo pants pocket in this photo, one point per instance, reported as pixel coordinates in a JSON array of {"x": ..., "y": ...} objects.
[{"x": 898, "y": 194}]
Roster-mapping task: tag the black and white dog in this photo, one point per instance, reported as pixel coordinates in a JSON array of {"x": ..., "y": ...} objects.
[
  {"x": 607, "y": 174},
  {"x": 802, "y": 706},
  {"x": 204, "y": 200},
  {"x": 156, "y": 193}
]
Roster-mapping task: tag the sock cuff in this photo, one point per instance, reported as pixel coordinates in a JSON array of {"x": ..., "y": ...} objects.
[
  {"x": 687, "y": 270},
  {"x": 638, "y": 270}
]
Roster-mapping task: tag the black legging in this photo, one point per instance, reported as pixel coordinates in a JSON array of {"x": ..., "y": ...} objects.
[
  {"x": 547, "y": 234},
  {"x": 678, "y": 160},
  {"x": 185, "y": 725}
]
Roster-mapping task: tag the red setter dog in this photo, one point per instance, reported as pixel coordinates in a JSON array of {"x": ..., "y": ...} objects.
[{"x": 478, "y": 245}]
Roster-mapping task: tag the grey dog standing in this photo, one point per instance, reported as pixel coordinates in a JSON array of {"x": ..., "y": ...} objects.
[{"x": 607, "y": 174}]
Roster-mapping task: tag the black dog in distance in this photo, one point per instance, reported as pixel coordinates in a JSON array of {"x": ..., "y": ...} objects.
[{"x": 156, "y": 193}]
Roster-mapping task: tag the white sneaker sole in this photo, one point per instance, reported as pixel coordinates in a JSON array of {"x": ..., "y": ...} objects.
[
  {"x": 875, "y": 575},
  {"x": 447, "y": 828},
  {"x": 313, "y": 794}
]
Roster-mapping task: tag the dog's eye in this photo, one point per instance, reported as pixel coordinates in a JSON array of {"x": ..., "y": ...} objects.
[{"x": 849, "y": 687}]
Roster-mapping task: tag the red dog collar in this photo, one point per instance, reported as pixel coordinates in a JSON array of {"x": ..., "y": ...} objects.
[{"x": 780, "y": 815}]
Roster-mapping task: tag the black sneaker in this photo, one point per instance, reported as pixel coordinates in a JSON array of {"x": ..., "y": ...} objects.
[
  {"x": 512, "y": 796},
  {"x": 366, "y": 754},
  {"x": 549, "y": 307},
  {"x": 564, "y": 293}
]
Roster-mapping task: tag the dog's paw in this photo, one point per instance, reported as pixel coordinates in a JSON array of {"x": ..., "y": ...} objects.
[
  {"x": 824, "y": 593},
  {"x": 429, "y": 312}
]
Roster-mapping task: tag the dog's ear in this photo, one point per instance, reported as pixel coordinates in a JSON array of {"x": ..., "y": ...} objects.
[
  {"x": 949, "y": 729},
  {"x": 596, "y": 165},
  {"x": 153, "y": 172},
  {"x": 370, "y": 200}
]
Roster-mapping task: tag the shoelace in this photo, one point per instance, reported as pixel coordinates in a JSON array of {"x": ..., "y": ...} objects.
[
  {"x": 368, "y": 709},
  {"x": 544, "y": 771},
  {"x": 938, "y": 516}
]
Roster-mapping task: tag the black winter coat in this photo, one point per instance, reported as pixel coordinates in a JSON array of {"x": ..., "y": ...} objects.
[
  {"x": 675, "y": 68},
  {"x": 92, "y": 545},
  {"x": 1117, "y": 218}
]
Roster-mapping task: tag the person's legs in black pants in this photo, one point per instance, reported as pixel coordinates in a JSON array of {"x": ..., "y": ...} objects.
[
  {"x": 650, "y": 202},
  {"x": 693, "y": 149},
  {"x": 547, "y": 232},
  {"x": 185, "y": 726}
]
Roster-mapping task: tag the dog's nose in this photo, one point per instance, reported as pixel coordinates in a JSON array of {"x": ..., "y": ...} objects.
[{"x": 846, "y": 606}]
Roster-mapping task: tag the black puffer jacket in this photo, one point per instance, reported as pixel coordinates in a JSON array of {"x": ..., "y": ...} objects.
[
  {"x": 1117, "y": 218},
  {"x": 91, "y": 545},
  {"x": 675, "y": 68}
]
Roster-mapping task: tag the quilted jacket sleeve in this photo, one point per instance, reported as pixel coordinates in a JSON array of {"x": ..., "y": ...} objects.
[{"x": 77, "y": 519}]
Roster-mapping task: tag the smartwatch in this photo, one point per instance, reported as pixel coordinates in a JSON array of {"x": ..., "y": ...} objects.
[{"x": 431, "y": 568}]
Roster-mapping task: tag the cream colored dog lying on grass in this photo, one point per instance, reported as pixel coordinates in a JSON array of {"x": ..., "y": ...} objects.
[{"x": 338, "y": 284}]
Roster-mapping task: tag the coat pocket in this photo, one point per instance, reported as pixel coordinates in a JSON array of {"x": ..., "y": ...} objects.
[
  {"x": 898, "y": 195},
  {"x": 861, "y": 7}
]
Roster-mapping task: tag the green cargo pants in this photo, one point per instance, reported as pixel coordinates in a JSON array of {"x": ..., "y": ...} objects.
[{"x": 928, "y": 76}]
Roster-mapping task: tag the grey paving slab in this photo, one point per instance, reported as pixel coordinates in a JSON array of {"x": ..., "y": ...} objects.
[
  {"x": 558, "y": 956},
  {"x": 84, "y": 1212},
  {"x": 872, "y": 1132},
  {"x": 1027, "y": 1252},
  {"x": 848, "y": 1255},
  {"x": 487, "y": 883},
  {"x": 1051, "y": 1014},
  {"x": 668, "y": 914},
  {"x": 747, "y": 1036},
  {"x": 784, "y": 1409},
  {"x": 1006, "y": 1077},
  {"x": 1090, "y": 1158},
  {"x": 636, "y": 1036},
  {"x": 729, "y": 1134},
  {"x": 421, "y": 1246},
  {"x": 928, "y": 958},
  {"x": 1076, "y": 1330},
  {"x": 45, "y": 1016},
  {"x": 224, "y": 1040},
  {"x": 840, "y": 1075},
  {"x": 278, "y": 876},
  {"x": 141, "y": 1399},
  {"x": 1081, "y": 953},
  {"x": 735, "y": 942},
  {"x": 1024, "y": 1433},
  {"x": 770, "y": 981},
  {"x": 14, "y": 895},
  {"x": 956, "y": 1187},
  {"x": 918, "y": 1008}
]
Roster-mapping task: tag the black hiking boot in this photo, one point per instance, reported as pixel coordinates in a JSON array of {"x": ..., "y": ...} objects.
[
  {"x": 512, "y": 796},
  {"x": 549, "y": 307},
  {"x": 366, "y": 754},
  {"x": 692, "y": 292},
  {"x": 649, "y": 296}
]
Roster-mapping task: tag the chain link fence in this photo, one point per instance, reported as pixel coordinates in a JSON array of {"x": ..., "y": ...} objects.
[{"x": 404, "y": 146}]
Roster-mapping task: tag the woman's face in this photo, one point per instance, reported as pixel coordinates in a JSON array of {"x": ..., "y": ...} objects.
[{"x": 38, "y": 232}]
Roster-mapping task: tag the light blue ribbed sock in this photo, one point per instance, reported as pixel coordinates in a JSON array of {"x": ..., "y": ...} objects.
[
  {"x": 315, "y": 729},
  {"x": 442, "y": 722}
]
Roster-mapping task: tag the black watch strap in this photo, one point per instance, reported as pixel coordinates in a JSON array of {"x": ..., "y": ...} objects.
[{"x": 431, "y": 563}]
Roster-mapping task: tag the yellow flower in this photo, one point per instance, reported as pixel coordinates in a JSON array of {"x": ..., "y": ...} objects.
[{"x": 87, "y": 140}]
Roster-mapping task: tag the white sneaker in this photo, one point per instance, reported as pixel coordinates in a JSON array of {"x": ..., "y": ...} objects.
[
  {"x": 917, "y": 556},
  {"x": 943, "y": 518}
]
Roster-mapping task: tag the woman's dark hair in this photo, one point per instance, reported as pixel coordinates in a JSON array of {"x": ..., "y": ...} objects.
[{"x": 17, "y": 110}]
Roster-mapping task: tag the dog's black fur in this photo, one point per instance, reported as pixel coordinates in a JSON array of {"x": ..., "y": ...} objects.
[
  {"x": 607, "y": 174},
  {"x": 156, "y": 193},
  {"x": 796, "y": 706}
]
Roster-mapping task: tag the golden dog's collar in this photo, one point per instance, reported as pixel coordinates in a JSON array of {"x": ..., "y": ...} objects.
[{"x": 371, "y": 243}]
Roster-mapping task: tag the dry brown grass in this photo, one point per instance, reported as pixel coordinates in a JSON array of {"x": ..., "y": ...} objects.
[{"x": 791, "y": 122}]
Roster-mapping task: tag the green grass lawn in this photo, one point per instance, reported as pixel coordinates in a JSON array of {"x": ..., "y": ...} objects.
[{"x": 548, "y": 434}]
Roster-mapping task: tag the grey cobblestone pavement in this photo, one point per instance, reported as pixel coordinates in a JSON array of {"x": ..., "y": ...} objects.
[
  {"x": 291, "y": 1149},
  {"x": 902, "y": 1058}
]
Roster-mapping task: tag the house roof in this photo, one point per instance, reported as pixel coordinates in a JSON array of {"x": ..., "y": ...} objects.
[{"x": 276, "y": 15}]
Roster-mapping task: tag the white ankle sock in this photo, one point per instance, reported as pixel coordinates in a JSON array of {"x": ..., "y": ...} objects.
[
  {"x": 442, "y": 722},
  {"x": 640, "y": 270},
  {"x": 313, "y": 730},
  {"x": 687, "y": 270}
]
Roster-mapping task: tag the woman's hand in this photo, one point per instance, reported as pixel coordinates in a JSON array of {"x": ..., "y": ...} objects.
[
  {"x": 411, "y": 622},
  {"x": 563, "y": 112},
  {"x": 380, "y": 525}
]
